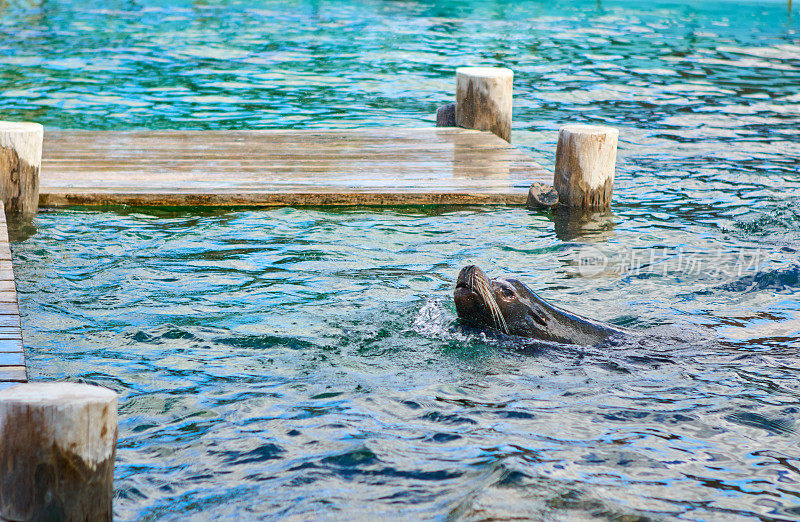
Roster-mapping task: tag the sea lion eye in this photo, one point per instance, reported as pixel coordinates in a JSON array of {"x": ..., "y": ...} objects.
[{"x": 507, "y": 292}]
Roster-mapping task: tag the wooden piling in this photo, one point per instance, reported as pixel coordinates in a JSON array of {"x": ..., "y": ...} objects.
[
  {"x": 20, "y": 162},
  {"x": 57, "y": 448},
  {"x": 483, "y": 99},
  {"x": 586, "y": 158}
]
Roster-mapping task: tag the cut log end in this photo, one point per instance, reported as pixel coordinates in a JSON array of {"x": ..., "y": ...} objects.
[
  {"x": 541, "y": 197},
  {"x": 446, "y": 115},
  {"x": 20, "y": 162},
  {"x": 57, "y": 450},
  {"x": 585, "y": 164},
  {"x": 484, "y": 99}
]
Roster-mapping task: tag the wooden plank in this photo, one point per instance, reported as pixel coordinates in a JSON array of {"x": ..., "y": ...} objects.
[
  {"x": 11, "y": 346},
  {"x": 10, "y": 332},
  {"x": 13, "y": 373},
  {"x": 9, "y": 307},
  {"x": 12, "y": 356},
  {"x": 9, "y": 320},
  {"x": 199, "y": 139},
  {"x": 343, "y": 147},
  {"x": 381, "y": 166},
  {"x": 12, "y": 359},
  {"x": 8, "y": 297}
]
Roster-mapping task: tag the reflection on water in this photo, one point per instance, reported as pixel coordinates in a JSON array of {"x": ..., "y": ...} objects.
[
  {"x": 571, "y": 224},
  {"x": 303, "y": 363}
]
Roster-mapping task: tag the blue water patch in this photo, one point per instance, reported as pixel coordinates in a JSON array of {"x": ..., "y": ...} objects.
[{"x": 257, "y": 380}]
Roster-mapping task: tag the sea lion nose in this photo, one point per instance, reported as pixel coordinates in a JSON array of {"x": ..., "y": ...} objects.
[{"x": 466, "y": 274}]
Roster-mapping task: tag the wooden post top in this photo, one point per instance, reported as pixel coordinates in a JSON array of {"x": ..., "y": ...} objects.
[
  {"x": 58, "y": 443},
  {"x": 20, "y": 126},
  {"x": 79, "y": 417},
  {"x": 485, "y": 72},
  {"x": 586, "y": 158},
  {"x": 590, "y": 129},
  {"x": 56, "y": 393},
  {"x": 24, "y": 137},
  {"x": 483, "y": 99}
]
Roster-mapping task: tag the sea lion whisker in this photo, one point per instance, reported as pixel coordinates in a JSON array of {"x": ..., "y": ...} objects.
[
  {"x": 499, "y": 320},
  {"x": 485, "y": 291},
  {"x": 503, "y": 325},
  {"x": 489, "y": 299}
]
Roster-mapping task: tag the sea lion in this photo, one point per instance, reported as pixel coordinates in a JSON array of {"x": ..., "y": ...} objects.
[{"x": 514, "y": 309}]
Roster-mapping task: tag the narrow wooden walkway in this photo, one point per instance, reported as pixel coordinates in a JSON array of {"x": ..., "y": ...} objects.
[
  {"x": 12, "y": 356},
  {"x": 381, "y": 166}
]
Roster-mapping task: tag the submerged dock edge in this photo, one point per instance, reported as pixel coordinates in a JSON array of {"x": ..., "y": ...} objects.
[{"x": 59, "y": 199}]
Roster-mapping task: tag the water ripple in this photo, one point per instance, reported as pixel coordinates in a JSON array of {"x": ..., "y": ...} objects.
[{"x": 342, "y": 381}]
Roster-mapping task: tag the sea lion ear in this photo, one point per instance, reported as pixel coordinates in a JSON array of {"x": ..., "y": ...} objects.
[
  {"x": 518, "y": 286},
  {"x": 522, "y": 288}
]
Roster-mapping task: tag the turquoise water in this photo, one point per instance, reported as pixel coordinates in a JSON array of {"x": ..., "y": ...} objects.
[{"x": 307, "y": 363}]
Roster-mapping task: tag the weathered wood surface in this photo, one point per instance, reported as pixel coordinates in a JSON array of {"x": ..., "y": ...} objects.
[
  {"x": 446, "y": 115},
  {"x": 57, "y": 448},
  {"x": 12, "y": 356},
  {"x": 586, "y": 157},
  {"x": 484, "y": 99},
  {"x": 20, "y": 161},
  {"x": 381, "y": 166},
  {"x": 542, "y": 196}
]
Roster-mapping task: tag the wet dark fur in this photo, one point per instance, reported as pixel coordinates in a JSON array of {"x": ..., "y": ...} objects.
[{"x": 512, "y": 308}]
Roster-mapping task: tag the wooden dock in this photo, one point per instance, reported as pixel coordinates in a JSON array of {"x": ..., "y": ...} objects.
[
  {"x": 380, "y": 166},
  {"x": 12, "y": 356},
  {"x": 262, "y": 168}
]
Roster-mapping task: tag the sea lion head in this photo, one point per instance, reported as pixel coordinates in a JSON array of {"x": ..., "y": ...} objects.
[
  {"x": 511, "y": 307},
  {"x": 502, "y": 304}
]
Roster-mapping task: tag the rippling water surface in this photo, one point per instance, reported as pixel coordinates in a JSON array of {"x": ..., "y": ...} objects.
[{"x": 306, "y": 363}]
